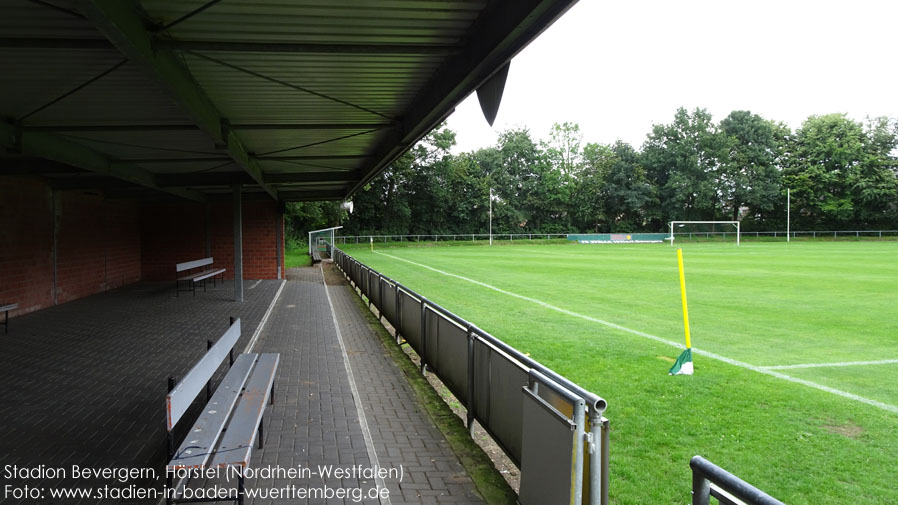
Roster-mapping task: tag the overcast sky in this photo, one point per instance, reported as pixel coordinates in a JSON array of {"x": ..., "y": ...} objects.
[{"x": 617, "y": 67}]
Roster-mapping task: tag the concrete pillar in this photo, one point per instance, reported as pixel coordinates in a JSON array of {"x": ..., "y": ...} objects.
[{"x": 238, "y": 243}]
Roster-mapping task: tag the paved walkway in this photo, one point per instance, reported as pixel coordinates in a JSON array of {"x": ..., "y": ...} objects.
[
  {"x": 319, "y": 423},
  {"x": 84, "y": 383}
]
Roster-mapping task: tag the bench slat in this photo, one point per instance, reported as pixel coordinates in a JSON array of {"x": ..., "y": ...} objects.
[
  {"x": 179, "y": 399},
  {"x": 9, "y": 306},
  {"x": 237, "y": 442},
  {"x": 208, "y": 273},
  {"x": 197, "y": 447},
  {"x": 187, "y": 265}
]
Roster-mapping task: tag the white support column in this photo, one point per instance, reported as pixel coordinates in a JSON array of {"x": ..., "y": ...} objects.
[{"x": 238, "y": 243}]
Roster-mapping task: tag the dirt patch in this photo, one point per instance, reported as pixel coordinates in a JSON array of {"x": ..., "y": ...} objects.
[
  {"x": 848, "y": 429},
  {"x": 332, "y": 276},
  {"x": 667, "y": 359}
]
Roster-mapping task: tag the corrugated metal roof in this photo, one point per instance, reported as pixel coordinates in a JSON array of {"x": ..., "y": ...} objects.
[{"x": 299, "y": 98}]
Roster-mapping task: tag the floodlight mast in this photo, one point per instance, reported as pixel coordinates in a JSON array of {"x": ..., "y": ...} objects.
[
  {"x": 681, "y": 223},
  {"x": 491, "y": 216}
]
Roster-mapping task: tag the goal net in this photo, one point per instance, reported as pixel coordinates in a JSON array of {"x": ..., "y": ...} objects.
[
  {"x": 320, "y": 238},
  {"x": 705, "y": 231}
]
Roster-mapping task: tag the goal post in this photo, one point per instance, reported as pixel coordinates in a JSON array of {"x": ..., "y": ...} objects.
[
  {"x": 675, "y": 224},
  {"x": 326, "y": 233}
]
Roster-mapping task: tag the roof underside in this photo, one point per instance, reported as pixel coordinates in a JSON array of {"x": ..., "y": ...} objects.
[{"x": 296, "y": 99}]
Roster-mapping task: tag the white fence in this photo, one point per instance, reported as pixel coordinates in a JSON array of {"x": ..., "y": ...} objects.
[{"x": 475, "y": 237}]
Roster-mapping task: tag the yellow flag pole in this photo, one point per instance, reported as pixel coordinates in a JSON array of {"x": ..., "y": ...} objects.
[{"x": 683, "y": 293}]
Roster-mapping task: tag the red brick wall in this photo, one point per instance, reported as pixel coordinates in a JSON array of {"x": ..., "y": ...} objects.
[
  {"x": 170, "y": 233},
  {"x": 26, "y": 244},
  {"x": 97, "y": 244},
  {"x": 176, "y": 232}
]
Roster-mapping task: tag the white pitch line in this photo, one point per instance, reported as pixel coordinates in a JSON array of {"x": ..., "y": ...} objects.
[
  {"x": 357, "y": 399},
  {"x": 841, "y": 363},
  {"x": 742, "y": 364}
]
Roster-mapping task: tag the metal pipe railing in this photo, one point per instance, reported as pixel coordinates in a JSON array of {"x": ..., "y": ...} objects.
[
  {"x": 710, "y": 480},
  {"x": 591, "y": 406}
]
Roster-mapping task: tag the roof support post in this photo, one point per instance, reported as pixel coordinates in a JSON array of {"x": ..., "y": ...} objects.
[{"x": 238, "y": 243}]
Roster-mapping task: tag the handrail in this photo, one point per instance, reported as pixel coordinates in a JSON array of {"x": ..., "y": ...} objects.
[
  {"x": 586, "y": 407},
  {"x": 709, "y": 479}
]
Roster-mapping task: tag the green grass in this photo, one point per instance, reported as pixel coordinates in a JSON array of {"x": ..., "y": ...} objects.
[
  {"x": 765, "y": 304},
  {"x": 297, "y": 258}
]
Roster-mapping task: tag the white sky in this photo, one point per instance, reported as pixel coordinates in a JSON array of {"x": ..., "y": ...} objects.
[{"x": 617, "y": 67}]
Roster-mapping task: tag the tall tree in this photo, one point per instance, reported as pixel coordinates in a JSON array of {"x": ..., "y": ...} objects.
[
  {"x": 683, "y": 160},
  {"x": 840, "y": 175},
  {"x": 750, "y": 174}
]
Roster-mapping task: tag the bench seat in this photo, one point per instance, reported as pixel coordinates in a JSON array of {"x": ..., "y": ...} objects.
[
  {"x": 193, "y": 277},
  {"x": 6, "y": 307},
  {"x": 225, "y": 431},
  {"x": 237, "y": 404}
]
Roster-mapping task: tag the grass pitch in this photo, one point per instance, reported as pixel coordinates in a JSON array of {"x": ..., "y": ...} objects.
[{"x": 785, "y": 410}]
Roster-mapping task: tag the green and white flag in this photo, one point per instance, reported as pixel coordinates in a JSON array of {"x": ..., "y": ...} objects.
[{"x": 683, "y": 365}]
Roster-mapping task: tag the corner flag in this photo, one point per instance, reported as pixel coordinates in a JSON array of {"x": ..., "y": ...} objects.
[{"x": 683, "y": 365}]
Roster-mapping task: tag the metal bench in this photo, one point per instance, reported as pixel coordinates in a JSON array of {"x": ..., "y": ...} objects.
[
  {"x": 192, "y": 278},
  {"x": 6, "y": 308},
  {"x": 224, "y": 434}
]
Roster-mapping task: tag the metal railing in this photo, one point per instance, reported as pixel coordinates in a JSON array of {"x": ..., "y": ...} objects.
[
  {"x": 551, "y": 428},
  {"x": 710, "y": 480},
  {"x": 455, "y": 237},
  {"x": 475, "y": 237}
]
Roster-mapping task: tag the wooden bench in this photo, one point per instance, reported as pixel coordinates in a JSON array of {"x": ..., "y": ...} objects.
[
  {"x": 224, "y": 434},
  {"x": 193, "y": 276},
  {"x": 316, "y": 255},
  {"x": 6, "y": 307}
]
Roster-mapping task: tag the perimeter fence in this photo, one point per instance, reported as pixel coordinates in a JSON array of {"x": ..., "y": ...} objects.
[
  {"x": 481, "y": 237},
  {"x": 551, "y": 428}
]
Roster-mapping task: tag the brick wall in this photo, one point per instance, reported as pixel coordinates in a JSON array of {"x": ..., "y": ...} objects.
[
  {"x": 26, "y": 244},
  {"x": 97, "y": 244},
  {"x": 176, "y": 232}
]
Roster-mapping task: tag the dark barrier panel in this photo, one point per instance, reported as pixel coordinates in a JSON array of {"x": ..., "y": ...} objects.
[
  {"x": 374, "y": 288},
  {"x": 505, "y": 416},
  {"x": 451, "y": 360},
  {"x": 390, "y": 307},
  {"x": 410, "y": 329},
  {"x": 551, "y": 438},
  {"x": 490, "y": 377},
  {"x": 363, "y": 280},
  {"x": 431, "y": 337}
]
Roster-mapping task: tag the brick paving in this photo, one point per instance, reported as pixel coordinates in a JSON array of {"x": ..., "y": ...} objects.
[{"x": 84, "y": 383}]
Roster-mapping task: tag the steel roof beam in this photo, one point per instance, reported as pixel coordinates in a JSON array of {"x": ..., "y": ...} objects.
[
  {"x": 62, "y": 150},
  {"x": 236, "y": 47},
  {"x": 218, "y": 159},
  {"x": 309, "y": 196},
  {"x": 229, "y": 178},
  {"x": 127, "y": 29},
  {"x": 500, "y": 32},
  {"x": 300, "y": 48},
  {"x": 193, "y": 127}
]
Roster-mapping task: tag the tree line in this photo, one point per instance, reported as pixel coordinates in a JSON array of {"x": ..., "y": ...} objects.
[{"x": 842, "y": 173}]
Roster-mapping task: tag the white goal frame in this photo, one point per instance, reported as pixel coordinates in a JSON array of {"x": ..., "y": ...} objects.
[
  {"x": 735, "y": 223},
  {"x": 331, "y": 230}
]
